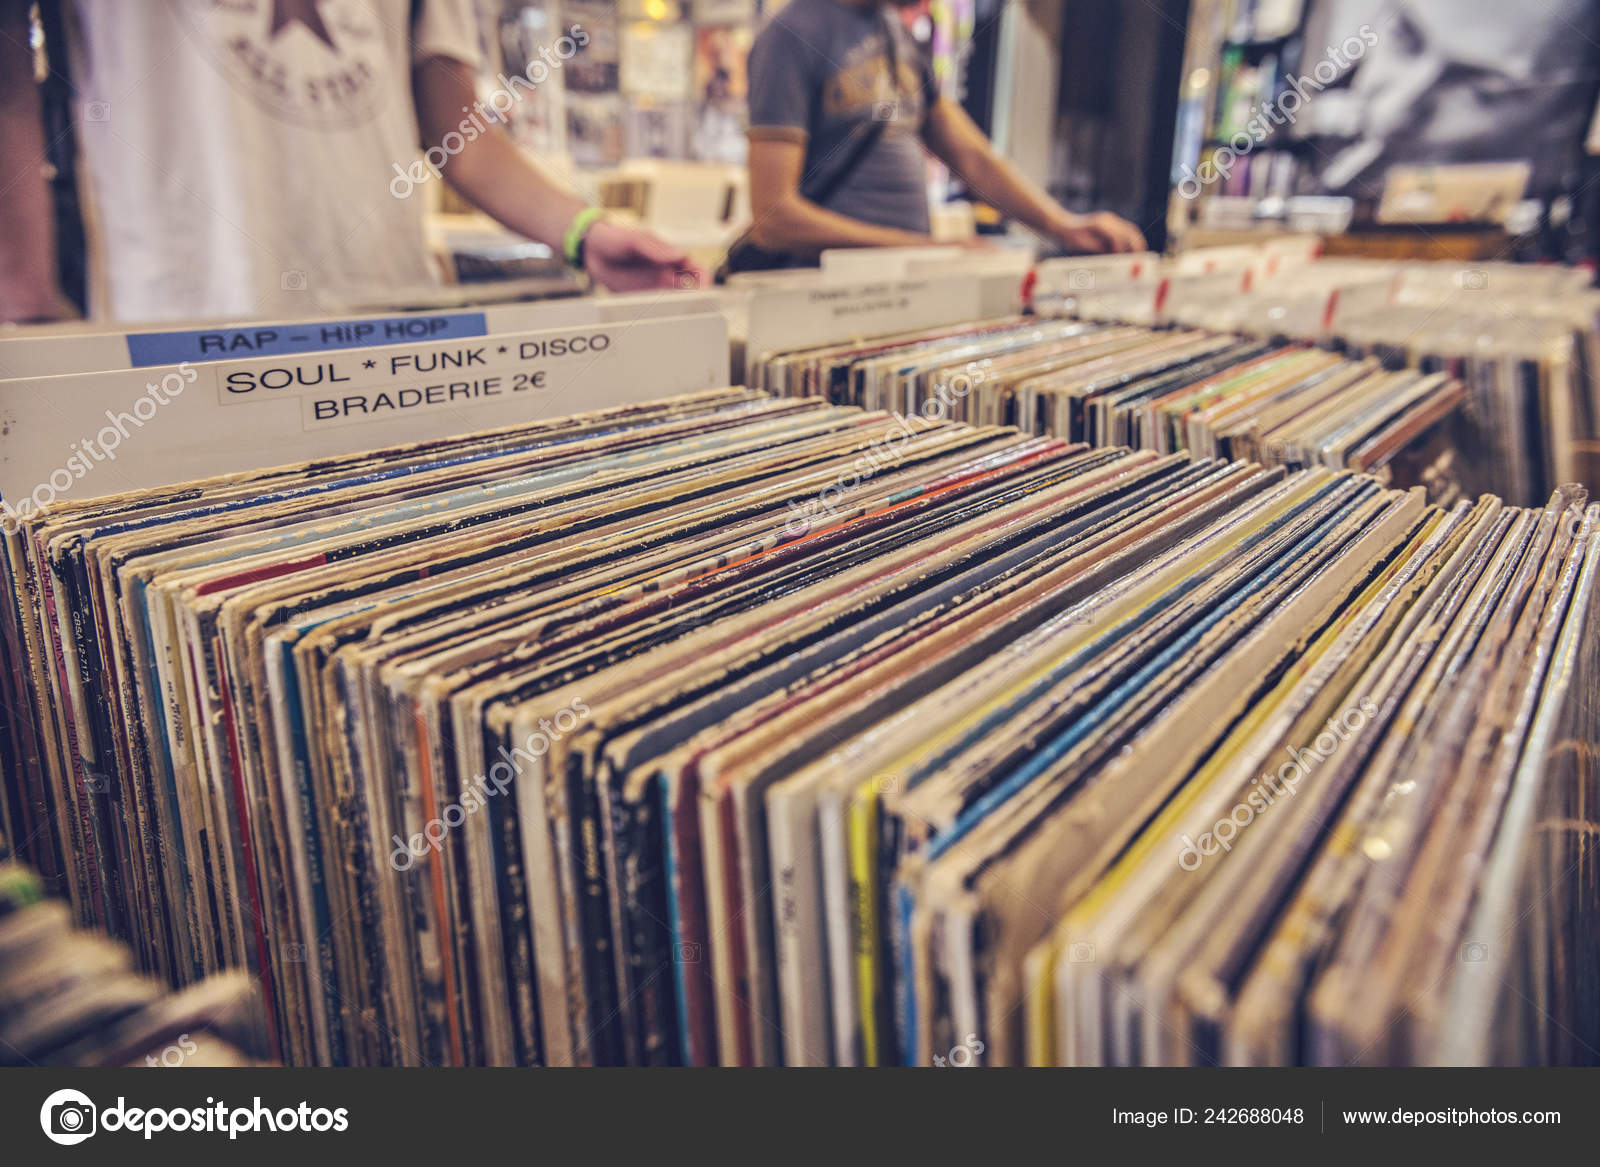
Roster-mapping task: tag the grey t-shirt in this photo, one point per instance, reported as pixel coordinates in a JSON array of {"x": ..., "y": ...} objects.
[{"x": 819, "y": 74}]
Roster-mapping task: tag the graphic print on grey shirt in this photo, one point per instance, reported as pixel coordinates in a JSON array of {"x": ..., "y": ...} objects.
[{"x": 819, "y": 74}]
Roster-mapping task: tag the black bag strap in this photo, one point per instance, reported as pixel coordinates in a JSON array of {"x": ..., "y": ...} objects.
[
  {"x": 58, "y": 101},
  {"x": 866, "y": 135}
]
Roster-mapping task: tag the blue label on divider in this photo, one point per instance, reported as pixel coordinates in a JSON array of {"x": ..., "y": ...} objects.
[{"x": 237, "y": 343}]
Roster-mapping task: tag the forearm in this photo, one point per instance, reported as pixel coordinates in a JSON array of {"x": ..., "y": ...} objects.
[
  {"x": 489, "y": 171},
  {"x": 997, "y": 182},
  {"x": 954, "y": 137},
  {"x": 28, "y": 274},
  {"x": 492, "y": 173},
  {"x": 500, "y": 180},
  {"x": 793, "y": 223},
  {"x": 957, "y": 141}
]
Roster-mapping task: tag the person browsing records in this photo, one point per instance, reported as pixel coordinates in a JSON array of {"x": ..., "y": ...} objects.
[
  {"x": 261, "y": 157},
  {"x": 842, "y": 103}
]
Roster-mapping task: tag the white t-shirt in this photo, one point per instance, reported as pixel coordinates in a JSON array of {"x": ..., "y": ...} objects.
[{"x": 236, "y": 156}]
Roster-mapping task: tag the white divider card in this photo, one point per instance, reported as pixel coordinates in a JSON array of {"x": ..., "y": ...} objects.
[
  {"x": 99, "y": 433},
  {"x": 1345, "y": 300},
  {"x": 1287, "y": 253},
  {"x": 1150, "y": 303},
  {"x": 827, "y": 313},
  {"x": 54, "y": 351},
  {"x": 1012, "y": 263},
  {"x": 862, "y": 264},
  {"x": 1176, "y": 297},
  {"x": 854, "y": 264},
  {"x": 1069, "y": 275},
  {"x": 1269, "y": 254}
]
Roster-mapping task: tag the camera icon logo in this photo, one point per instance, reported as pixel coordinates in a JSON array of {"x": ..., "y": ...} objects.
[
  {"x": 1474, "y": 279},
  {"x": 687, "y": 953},
  {"x": 68, "y": 1117},
  {"x": 1474, "y": 952},
  {"x": 97, "y": 111},
  {"x": 1080, "y": 953},
  {"x": 296, "y": 953},
  {"x": 1080, "y": 280},
  {"x": 294, "y": 281}
]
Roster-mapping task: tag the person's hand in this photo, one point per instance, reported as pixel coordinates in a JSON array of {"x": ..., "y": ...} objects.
[
  {"x": 1101, "y": 231},
  {"x": 626, "y": 259}
]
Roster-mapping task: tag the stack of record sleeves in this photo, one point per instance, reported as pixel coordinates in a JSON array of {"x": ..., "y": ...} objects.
[
  {"x": 1524, "y": 339},
  {"x": 759, "y": 730},
  {"x": 1210, "y": 394},
  {"x": 68, "y": 998},
  {"x": 1532, "y": 374}
]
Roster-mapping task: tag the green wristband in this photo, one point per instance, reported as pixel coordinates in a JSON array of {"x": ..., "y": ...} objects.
[{"x": 572, "y": 243}]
